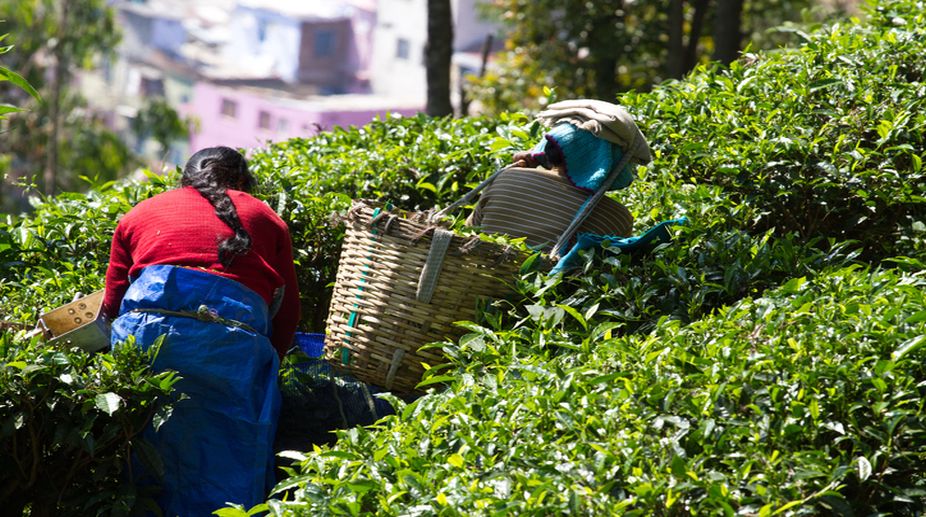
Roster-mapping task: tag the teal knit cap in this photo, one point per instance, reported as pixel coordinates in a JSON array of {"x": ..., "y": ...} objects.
[{"x": 585, "y": 159}]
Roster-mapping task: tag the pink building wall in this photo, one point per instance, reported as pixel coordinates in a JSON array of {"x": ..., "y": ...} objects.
[{"x": 288, "y": 118}]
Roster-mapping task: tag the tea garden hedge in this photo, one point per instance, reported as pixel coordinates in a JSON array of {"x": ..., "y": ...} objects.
[{"x": 768, "y": 361}]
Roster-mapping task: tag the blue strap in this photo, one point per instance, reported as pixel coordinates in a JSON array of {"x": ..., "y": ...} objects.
[
  {"x": 586, "y": 209},
  {"x": 656, "y": 235}
]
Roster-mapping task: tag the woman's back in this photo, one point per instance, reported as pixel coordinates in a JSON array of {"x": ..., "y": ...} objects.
[
  {"x": 179, "y": 227},
  {"x": 539, "y": 204}
]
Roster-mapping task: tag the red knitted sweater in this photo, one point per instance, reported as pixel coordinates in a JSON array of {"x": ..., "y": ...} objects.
[{"x": 179, "y": 227}]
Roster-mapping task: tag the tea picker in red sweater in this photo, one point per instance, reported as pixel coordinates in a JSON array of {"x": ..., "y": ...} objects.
[{"x": 210, "y": 268}]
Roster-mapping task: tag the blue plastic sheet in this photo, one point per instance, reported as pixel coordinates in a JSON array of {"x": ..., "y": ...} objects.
[{"x": 217, "y": 445}]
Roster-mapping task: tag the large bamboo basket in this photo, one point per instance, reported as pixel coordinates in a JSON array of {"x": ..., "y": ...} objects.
[{"x": 379, "y": 317}]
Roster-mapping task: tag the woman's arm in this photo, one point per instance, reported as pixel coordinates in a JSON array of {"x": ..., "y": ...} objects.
[
  {"x": 287, "y": 318},
  {"x": 117, "y": 273}
]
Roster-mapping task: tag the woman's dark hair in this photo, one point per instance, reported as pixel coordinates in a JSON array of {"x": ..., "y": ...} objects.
[{"x": 212, "y": 171}]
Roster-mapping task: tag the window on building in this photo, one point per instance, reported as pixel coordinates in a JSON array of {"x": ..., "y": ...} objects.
[
  {"x": 152, "y": 87},
  {"x": 229, "y": 108},
  {"x": 324, "y": 43},
  {"x": 108, "y": 70},
  {"x": 282, "y": 125},
  {"x": 263, "y": 120},
  {"x": 402, "y": 49},
  {"x": 261, "y": 30}
]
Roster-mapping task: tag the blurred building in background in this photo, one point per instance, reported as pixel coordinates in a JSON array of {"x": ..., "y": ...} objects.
[
  {"x": 322, "y": 44},
  {"x": 399, "y": 42},
  {"x": 245, "y": 72}
]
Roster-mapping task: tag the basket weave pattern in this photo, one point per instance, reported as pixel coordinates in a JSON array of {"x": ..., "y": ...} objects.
[{"x": 376, "y": 324}]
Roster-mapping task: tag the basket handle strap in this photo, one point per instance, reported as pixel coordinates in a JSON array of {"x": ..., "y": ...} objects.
[
  {"x": 394, "y": 367},
  {"x": 468, "y": 197},
  {"x": 586, "y": 209},
  {"x": 440, "y": 241}
]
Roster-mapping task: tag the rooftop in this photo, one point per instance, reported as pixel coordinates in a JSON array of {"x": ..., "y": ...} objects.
[
  {"x": 309, "y": 9},
  {"x": 305, "y": 97},
  {"x": 205, "y": 11}
]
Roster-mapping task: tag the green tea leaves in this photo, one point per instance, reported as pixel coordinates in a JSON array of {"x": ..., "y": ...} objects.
[
  {"x": 864, "y": 468},
  {"x": 908, "y": 347}
]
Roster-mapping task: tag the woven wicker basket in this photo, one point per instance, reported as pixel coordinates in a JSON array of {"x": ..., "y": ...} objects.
[{"x": 384, "y": 308}]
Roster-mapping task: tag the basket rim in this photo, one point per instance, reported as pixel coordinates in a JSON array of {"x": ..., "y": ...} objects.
[{"x": 414, "y": 227}]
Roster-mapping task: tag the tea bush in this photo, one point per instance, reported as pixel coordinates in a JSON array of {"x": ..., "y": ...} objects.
[
  {"x": 685, "y": 382},
  {"x": 765, "y": 362},
  {"x": 63, "y": 248},
  {"x": 808, "y": 399},
  {"x": 68, "y": 419},
  {"x": 821, "y": 140},
  {"x": 68, "y": 422}
]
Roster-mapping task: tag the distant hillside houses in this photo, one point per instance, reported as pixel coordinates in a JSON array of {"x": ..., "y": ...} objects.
[{"x": 245, "y": 72}]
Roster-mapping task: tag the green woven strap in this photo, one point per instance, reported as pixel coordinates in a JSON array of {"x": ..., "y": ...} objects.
[{"x": 203, "y": 313}]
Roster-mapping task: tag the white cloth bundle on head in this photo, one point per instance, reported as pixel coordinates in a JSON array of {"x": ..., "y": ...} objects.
[{"x": 607, "y": 121}]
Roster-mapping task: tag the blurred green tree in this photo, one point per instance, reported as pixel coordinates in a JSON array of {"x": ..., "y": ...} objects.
[
  {"x": 159, "y": 121},
  {"x": 48, "y": 141},
  {"x": 7, "y": 75},
  {"x": 599, "y": 49}
]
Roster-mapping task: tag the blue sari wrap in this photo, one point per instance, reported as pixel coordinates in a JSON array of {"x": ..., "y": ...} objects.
[{"x": 217, "y": 444}]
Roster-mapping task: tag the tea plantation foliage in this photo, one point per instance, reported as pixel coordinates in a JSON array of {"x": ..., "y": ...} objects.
[{"x": 767, "y": 361}]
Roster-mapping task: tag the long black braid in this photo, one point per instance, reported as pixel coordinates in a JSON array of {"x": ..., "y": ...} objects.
[{"x": 212, "y": 171}]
